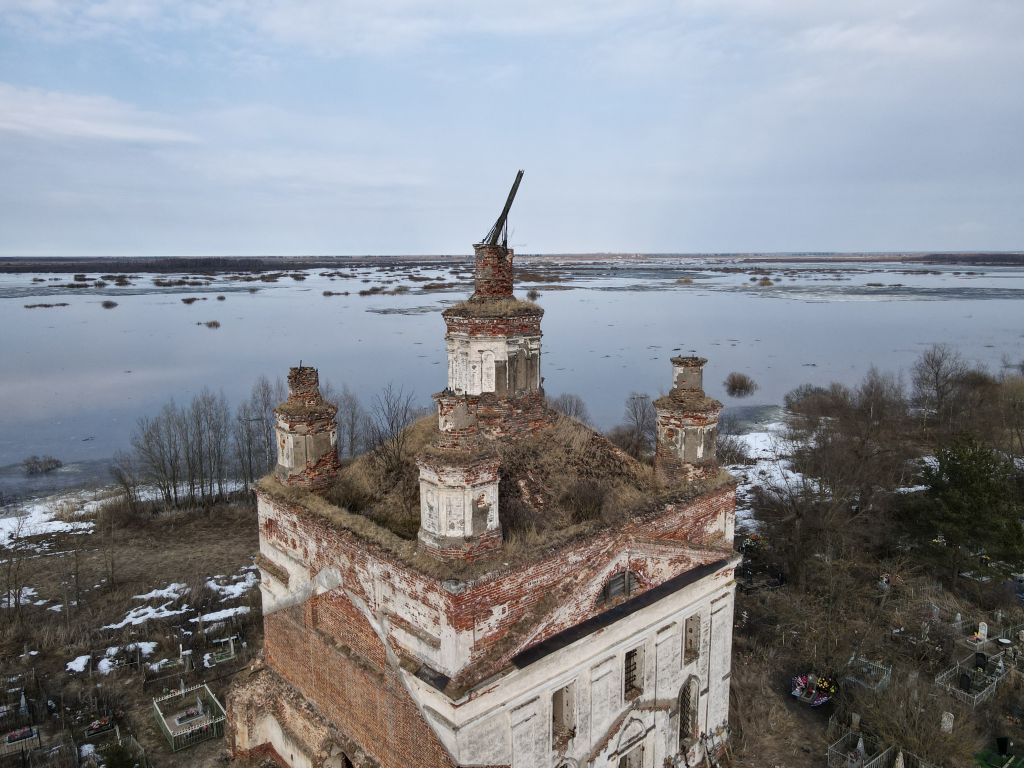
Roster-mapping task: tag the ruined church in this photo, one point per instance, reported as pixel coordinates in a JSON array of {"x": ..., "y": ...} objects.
[{"x": 502, "y": 587}]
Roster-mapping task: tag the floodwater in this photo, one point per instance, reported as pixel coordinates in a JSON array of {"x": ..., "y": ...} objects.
[{"x": 75, "y": 379}]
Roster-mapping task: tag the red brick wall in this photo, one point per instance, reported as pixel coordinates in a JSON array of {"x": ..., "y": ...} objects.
[
  {"x": 497, "y": 327},
  {"x": 493, "y": 270},
  {"x": 328, "y": 651}
]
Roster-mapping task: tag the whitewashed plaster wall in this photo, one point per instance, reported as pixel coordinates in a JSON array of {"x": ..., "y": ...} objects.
[
  {"x": 471, "y": 360},
  {"x": 511, "y": 721}
]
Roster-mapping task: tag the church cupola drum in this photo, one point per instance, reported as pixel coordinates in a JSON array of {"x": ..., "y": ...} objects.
[{"x": 493, "y": 341}]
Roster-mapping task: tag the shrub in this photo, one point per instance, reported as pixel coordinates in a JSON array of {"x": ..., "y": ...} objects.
[
  {"x": 517, "y": 517},
  {"x": 108, "y": 304},
  {"x": 212, "y": 324},
  {"x": 533, "y": 294},
  {"x": 729, "y": 449},
  {"x": 348, "y": 494},
  {"x": 739, "y": 385},
  {"x": 40, "y": 465},
  {"x": 584, "y": 499}
]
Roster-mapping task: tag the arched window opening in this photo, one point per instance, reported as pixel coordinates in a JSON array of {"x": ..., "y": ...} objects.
[
  {"x": 688, "y": 709},
  {"x": 623, "y": 583}
]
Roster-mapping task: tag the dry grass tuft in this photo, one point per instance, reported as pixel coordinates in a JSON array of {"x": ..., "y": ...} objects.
[{"x": 494, "y": 308}]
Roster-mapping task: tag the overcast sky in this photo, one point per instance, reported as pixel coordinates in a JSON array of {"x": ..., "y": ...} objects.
[{"x": 396, "y": 126}]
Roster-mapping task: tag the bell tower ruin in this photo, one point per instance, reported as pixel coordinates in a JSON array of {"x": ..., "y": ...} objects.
[
  {"x": 494, "y": 389},
  {"x": 687, "y": 424}
]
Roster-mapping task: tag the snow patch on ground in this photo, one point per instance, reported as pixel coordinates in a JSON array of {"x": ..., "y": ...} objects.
[
  {"x": 174, "y": 591},
  {"x": 10, "y": 599},
  {"x": 227, "y": 613},
  {"x": 146, "y": 648},
  {"x": 78, "y": 664},
  {"x": 146, "y": 613},
  {"x": 236, "y": 585},
  {"x": 39, "y": 517},
  {"x": 768, "y": 449}
]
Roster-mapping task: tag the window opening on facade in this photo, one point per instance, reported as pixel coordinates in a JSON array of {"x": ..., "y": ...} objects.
[
  {"x": 563, "y": 717},
  {"x": 688, "y": 700},
  {"x": 691, "y": 639},
  {"x": 633, "y": 673}
]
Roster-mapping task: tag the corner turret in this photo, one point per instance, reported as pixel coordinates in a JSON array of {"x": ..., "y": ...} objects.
[
  {"x": 307, "y": 433},
  {"x": 687, "y": 423}
]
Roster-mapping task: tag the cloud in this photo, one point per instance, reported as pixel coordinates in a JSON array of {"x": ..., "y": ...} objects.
[{"x": 40, "y": 113}]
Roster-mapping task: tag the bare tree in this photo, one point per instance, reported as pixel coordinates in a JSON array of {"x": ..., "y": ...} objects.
[
  {"x": 353, "y": 423},
  {"x": 571, "y": 405},
  {"x": 184, "y": 451},
  {"x": 15, "y": 555},
  {"x": 353, "y": 420},
  {"x": 934, "y": 378},
  {"x": 393, "y": 411},
  {"x": 158, "y": 451},
  {"x": 638, "y": 432}
]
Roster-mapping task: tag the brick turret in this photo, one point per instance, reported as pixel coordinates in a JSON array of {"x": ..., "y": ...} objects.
[
  {"x": 493, "y": 344},
  {"x": 458, "y": 486},
  {"x": 687, "y": 422},
  {"x": 307, "y": 433},
  {"x": 493, "y": 271}
]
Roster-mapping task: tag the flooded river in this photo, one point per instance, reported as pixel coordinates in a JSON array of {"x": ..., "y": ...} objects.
[{"x": 74, "y": 379}]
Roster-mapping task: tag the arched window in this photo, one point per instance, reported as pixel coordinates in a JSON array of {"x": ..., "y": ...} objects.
[
  {"x": 622, "y": 583},
  {"x": 689, "y": 697}
]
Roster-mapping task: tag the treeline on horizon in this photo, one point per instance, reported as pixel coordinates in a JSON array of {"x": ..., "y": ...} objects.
[
  {"x": 227, "y": 264},
  {"x": 203, "y": 265}
]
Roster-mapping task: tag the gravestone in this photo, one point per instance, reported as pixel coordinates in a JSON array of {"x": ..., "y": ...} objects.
[
  {"x": 982, "y": 631},
  {"x": 855, "y": 721},
  {"x": 957, "y": 619},
  {"x": 947, "y": 722},
  {"x": 898, "y": 763},
  {"x": 965, "y": 682},
  {"x": 980, "y": 660}
]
